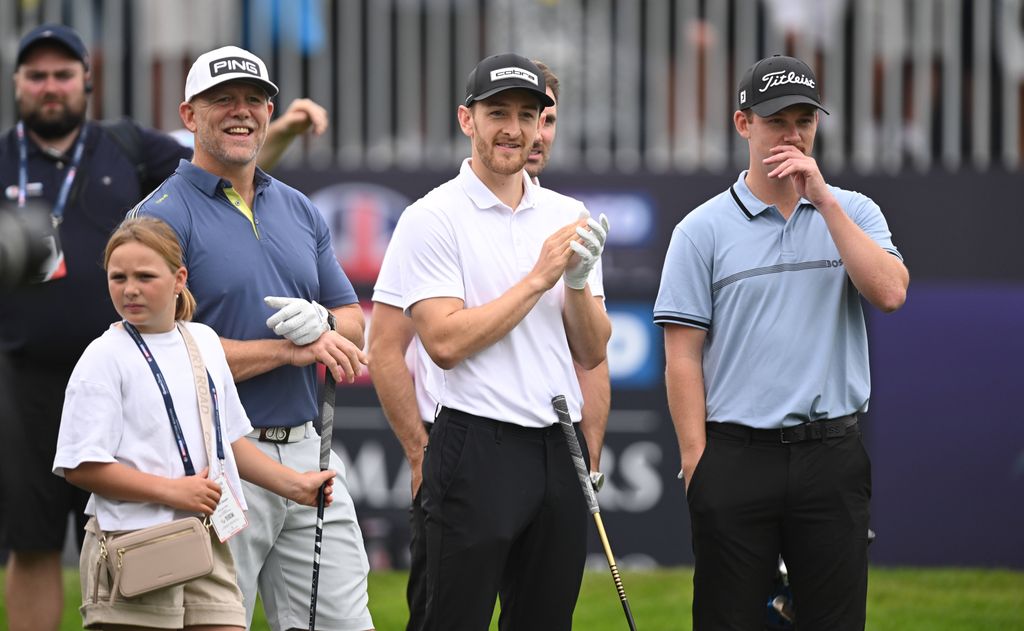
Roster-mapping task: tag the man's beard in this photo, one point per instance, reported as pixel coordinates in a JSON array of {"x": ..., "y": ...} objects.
[
  {"x": 54, "y": 128},
  {"x": 488, "y": 155},
  {"x": 222, "y": 155}
]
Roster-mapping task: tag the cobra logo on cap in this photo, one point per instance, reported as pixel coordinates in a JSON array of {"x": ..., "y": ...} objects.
[{"x": 513, "y": 72}]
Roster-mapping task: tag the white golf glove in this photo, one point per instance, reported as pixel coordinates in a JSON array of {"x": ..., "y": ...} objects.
[
  {"x": 587, "y": 253},
  {"x": 299, "y": 320}
]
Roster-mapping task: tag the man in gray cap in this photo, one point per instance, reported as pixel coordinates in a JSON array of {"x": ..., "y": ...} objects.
[
  {"x": 767, "y": 367},
  {"x": 502, "y": 280}
]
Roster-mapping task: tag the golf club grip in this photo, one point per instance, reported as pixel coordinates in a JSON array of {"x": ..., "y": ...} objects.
[
  {"x": 562, "y": 411},
  {"x": 326, "y": 421}
]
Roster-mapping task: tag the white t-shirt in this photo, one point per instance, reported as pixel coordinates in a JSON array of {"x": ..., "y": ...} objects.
[
  {"x": 426, "y": 375},
  {"x": 114, "y": 412},
  {"x": 471, "y": 246}
]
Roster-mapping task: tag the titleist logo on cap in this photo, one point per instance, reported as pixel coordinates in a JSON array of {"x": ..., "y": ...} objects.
[
  {"x": 781, "y": 77},
  {"x": 234, "y": 64},
  {"x": 513, "y": 73}
]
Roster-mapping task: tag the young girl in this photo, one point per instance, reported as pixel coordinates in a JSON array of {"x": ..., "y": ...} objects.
[{"x": 117, "y": 439}]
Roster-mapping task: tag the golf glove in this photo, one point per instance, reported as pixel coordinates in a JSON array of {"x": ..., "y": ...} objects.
[
  {"x": 589, "y": 252},
  {"x": 301, "y": 321}
]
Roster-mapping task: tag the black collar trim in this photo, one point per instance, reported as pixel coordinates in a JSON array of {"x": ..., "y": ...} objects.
[{"x": 736, "y": 198}]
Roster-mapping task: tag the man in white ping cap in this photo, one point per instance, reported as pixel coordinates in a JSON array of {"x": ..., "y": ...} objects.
[{"x": 267, "y": 280}]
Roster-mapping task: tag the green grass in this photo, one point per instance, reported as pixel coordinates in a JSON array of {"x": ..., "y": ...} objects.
[{"x": 899, "y": 599}]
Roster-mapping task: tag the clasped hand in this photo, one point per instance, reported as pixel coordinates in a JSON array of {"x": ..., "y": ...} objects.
[{"x": 299, "y": 320}]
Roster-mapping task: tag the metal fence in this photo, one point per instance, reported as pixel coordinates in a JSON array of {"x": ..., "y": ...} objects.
[{"x": 646, "y": 84}]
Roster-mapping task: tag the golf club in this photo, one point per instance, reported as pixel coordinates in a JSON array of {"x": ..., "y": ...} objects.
[
  {"x": 326, "y": 429},
  {"x": 562, "y": 410}
]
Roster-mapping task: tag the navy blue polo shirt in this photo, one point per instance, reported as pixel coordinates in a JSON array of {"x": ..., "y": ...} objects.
[
  {"x": 786, "y": 339},
  {"x": 232, "y": 264},
  {"x": 53, "y": 322}
]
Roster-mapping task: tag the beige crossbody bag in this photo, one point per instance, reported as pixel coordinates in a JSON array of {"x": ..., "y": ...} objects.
[{"x": 148, "y": 559}]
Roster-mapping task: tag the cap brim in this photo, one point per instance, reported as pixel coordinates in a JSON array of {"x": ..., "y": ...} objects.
[
  {"x": 771, "y": 106},
  {"x": 545, "y": 100},
  {"x": 267, "y": 86}
]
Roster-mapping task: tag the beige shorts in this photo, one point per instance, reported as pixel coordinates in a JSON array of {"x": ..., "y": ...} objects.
[{"x": 211, "y": 600}]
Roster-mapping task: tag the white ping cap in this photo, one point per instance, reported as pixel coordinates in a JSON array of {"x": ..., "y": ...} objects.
[{"x": 228, "y": 63}]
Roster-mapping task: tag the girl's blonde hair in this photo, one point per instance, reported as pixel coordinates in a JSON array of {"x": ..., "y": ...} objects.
[{"x": 157, "y": 236}]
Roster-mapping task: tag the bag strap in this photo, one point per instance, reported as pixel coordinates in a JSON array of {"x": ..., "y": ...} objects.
[{"x": 202, "y": 381}]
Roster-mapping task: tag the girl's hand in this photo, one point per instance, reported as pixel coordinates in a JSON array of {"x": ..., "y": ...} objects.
[{"x": 193, "y": 493}]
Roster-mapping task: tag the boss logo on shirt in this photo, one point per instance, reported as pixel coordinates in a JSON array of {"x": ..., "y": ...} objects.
[{"x": 234, "y": 64}]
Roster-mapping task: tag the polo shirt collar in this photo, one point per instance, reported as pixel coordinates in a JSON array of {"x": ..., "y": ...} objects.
[
  {"x": 747, "y": 202},
  {"x": 209, "y": 183},
  {"x": 483, "y": 198}
]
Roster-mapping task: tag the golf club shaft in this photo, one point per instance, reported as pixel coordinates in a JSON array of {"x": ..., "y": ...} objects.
[
  {"x": 562, "y": 411},
  {"x": 326, "y": 433}
]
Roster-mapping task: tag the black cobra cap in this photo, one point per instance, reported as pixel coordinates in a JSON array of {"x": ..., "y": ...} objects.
[{"x": 507, "y": 71}]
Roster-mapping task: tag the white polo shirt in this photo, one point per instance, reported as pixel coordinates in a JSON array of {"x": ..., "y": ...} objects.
[
  {"x": 426, "y": 376},
  {"x": 471, "y": 246}
]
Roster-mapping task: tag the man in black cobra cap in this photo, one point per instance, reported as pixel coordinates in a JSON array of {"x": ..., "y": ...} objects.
[{"x": 502, "y": 280}]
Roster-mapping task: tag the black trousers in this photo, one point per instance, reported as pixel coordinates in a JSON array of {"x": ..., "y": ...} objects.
[
  {"x": 505, "y": 516},
  {"x": 416, "y": 589},
  {"x": 34, "y": 503},
  {"x": 751, "y": 500}
]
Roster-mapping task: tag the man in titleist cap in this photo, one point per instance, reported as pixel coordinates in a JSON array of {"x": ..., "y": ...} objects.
[
  {"x": 767, "y": 367},
  {"x": 503, "y": 284},
  {"x": 266, "y": 278},
  {"x": 85, "y": 174}
]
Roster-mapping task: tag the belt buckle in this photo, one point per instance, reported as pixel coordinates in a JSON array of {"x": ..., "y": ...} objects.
[
  {"x": 799, "y": 434},
  {"x": 275, "y": 434}
]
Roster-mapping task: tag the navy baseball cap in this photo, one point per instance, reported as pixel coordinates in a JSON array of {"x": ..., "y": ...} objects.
[
  {"x": 507, "y": 71},
  {"x": 775, "y": 83},
  {"x": 58, "y": 34}
]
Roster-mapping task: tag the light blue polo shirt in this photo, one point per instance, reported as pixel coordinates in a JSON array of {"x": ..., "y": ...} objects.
[
  {"x": 786, "y": 339},
  {"x": 233, "y": 263}
]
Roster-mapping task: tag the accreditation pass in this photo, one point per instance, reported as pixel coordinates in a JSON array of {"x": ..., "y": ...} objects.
[{"x": 229, "y": 518}]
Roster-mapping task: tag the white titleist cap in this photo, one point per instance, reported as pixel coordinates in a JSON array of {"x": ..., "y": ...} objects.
[{"x": 228, "y": 63}]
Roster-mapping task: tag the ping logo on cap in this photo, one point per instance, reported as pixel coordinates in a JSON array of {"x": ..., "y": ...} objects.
[
  {"x": 234, "y": 64},
  {"x": 513, "y": 72}
]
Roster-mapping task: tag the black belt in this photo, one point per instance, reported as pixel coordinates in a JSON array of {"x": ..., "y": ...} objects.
[
  {"x": 465, "y": 418},
  {"x": 813, "y": 430}
]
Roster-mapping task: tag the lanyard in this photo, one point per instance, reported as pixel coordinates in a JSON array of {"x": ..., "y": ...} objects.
[
  {"x": 179, "y": 438},
  {"x": 57, "y": 213}
]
